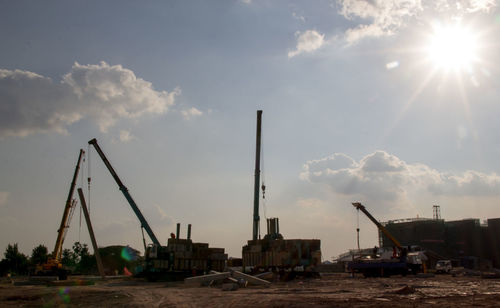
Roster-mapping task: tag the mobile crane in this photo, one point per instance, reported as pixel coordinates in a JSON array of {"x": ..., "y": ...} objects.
[
  {"x": 181, "y": 257},
  {"x": 402, "y": 262},
  {"x": 53, "y": 266}
]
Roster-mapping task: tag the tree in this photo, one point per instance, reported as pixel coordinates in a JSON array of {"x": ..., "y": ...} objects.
[
  {"x": 80, "y": 251},
  {"x": 68, "y": 258},
  {"x": 39, "y": 255},
  {"x": 84, "y": 257},
  {"x": 14, "y": 261}
]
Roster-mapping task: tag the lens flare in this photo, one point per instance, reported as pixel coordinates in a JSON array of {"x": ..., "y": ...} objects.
[
  {"x": 64, "y": 295},
  {"x": 128, "y": 254}
]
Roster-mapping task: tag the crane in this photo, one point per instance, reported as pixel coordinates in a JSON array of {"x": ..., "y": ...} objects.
[
  {"x": 361, "y": 207},
  {"x": 380, "y": 267},
  {"x": 180, "y": 257},
  {"x": 53, "y": 264},
  {"x": 124, "y": 190}
]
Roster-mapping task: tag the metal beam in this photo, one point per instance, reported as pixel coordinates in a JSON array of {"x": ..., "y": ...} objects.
[{"x": 91, "y": 232}]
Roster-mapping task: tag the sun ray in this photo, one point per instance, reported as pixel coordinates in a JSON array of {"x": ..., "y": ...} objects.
[{"x": 409, "y": 102}]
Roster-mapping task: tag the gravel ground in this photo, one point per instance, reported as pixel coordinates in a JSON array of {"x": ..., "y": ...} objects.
[{"x": 333, "y": 290}]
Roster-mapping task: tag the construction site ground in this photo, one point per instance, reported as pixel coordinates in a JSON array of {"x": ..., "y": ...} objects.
[{"x": 331, "y": 290}]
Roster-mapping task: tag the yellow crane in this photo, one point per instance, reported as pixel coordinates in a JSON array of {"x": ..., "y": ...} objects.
[{"x": 53, "y": 266}]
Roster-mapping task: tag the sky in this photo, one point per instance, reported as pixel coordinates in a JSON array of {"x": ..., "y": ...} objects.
[{"x": 393, "y": 104}]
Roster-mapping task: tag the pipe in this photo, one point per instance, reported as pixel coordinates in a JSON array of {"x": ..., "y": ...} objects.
[
  {"x": 189, "y": 232},
  {"x": 273, "y": 225},
  {"x": 178, "y": 231}
]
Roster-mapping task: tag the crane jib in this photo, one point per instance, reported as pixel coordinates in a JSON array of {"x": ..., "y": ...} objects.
[{"x": 125, "y": 192}]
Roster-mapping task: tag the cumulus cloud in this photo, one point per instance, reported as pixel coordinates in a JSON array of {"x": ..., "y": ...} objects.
[
  {"x": 191, "y": 113},
  {"x": 381, "y": 176},
  {"x": 381, "y": 18},
  {"x": 4, "y": 197},
  {"x": 307, "y": 42},
  {"x": 103, "y": 93}
]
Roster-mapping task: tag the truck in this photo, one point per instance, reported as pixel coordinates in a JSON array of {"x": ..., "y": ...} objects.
[
  {"x": 178, "y": 259},
  {"x": 402, "y": 261},
  {"x": 443, "y": 266}
]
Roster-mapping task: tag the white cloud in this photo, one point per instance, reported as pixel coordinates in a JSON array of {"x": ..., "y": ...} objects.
[
  {"x": 383, "y": 177},
  {"x": 246, "y": 1},
  {"x": 162, "y": 214},
  {"x": 298, "y": 17},
  {"x": 4, "y": 197},
  {"x": 103, "y": 93},
  {"x": 126, "y": 136},
  {"x": 480, "y": 5},
  {"x": 308, "y": 41},
  {"x": 384, "y": 17},
  {"x": 380, "y": 18},
  {"x": 191, "y": 113},
  {"x": 157, "y": 218}
]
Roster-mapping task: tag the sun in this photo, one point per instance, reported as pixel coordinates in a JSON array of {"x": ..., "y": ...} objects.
[{"x": 452, "y": 47}]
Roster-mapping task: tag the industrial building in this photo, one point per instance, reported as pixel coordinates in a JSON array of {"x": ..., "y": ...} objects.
[{"x": 466, "y": 242}]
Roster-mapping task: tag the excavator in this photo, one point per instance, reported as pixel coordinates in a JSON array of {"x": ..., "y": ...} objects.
[
  {"x": 53, "y": 266},
  {"x": 401, "y": 263}
]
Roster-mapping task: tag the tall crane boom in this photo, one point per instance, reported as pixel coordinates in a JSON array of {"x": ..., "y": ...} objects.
[
  {"x": 56, "y": 254},
  {"x": 362, "y": 208},
  {"x": 256, "y": 218},
  {"x": 125, "y": 192}
]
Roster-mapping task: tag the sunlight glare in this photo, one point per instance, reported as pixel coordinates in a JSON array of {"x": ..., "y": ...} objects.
[{"x": 452, "y": 47}]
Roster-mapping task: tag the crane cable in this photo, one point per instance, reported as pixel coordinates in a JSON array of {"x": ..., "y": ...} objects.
[
  {"x": 88, "y": 177},
  {"x": 263, "y": 186}
]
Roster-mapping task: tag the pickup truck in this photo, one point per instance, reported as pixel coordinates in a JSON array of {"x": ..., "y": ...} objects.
[{"x": 443, "y": 266}]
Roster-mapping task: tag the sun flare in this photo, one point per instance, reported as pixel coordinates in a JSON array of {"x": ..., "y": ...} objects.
[{"x": 452, "y": 47}]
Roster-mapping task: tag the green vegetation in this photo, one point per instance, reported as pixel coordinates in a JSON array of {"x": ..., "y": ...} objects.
[
  {"x": 39, "y": 255},
  {"x": 77, "y": 260},
  {"x": 14, "y": 262}
]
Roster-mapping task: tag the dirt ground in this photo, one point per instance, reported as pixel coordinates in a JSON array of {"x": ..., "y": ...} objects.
[{"x": 331, "y": 290}]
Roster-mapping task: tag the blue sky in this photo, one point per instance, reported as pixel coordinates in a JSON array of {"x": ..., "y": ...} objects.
[{"x": 359, "y": 105}]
